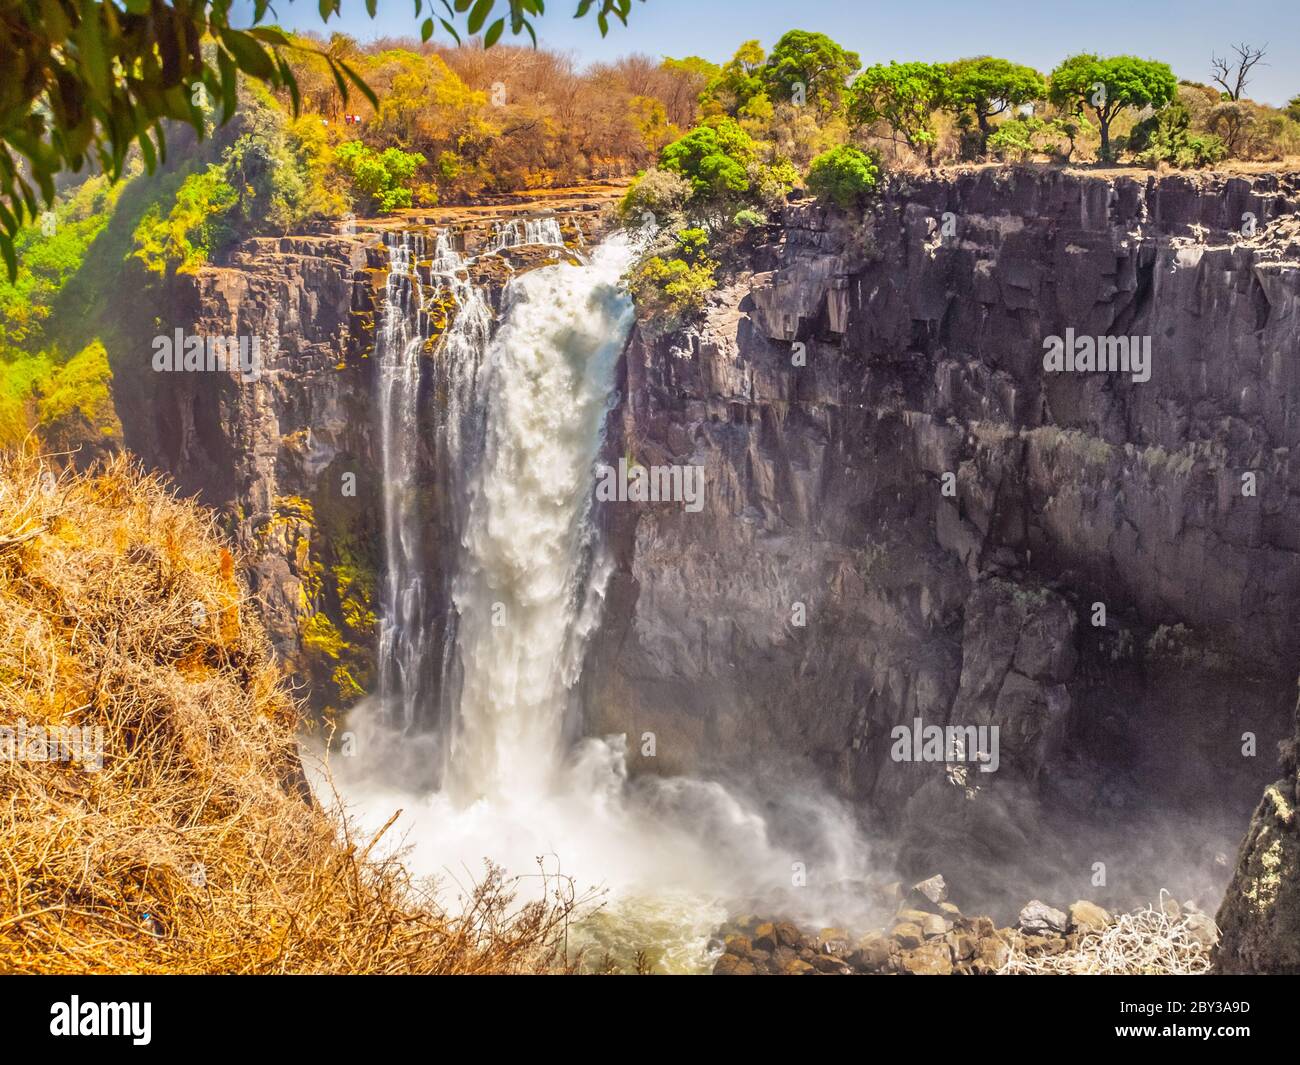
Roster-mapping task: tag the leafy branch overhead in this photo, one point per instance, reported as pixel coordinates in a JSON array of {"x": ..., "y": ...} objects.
[{"x": 88, "y": 79}]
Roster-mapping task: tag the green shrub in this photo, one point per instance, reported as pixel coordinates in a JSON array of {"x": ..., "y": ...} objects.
[
  {"x": 1166, "y": 137},
  {"x": 1020, "y": 139},
  {"x": 713, "y": 158},
  {"x": 380, "y": 176},
  {"x": 195, "y": 227},
  {"x": 673, "y": 288},
  {"x": 845, "y": 176},
  {"x": 660, "y": 193}
]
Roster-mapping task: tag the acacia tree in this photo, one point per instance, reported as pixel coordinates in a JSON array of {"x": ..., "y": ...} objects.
[
  {"x": 986, "y": 86},
  {"x": 1108, "y": 86},
  {"x": 90, "y": 78},
  {"x": 904, "y": 95},
  {"x": 813, "y": 61}
]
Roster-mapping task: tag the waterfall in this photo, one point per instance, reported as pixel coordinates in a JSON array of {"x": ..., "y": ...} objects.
[
  {"x": 533, "y": 231},
  {"x": 522, "y": 581},
  {"x": 514, "y": 448},
  {"x": 404, "y": 676},
  {"x": 406, "y": 670}
]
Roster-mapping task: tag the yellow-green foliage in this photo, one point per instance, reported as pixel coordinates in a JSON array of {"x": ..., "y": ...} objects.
[
  {"x": 320, "y": 635},
  {"x": 70, "y": 400},
  {"x": 20, "y": 379},
  {"x": 673, "y": 286},
  {"x": 185, "y": 238},
  {"x": 79, "y": 389}
]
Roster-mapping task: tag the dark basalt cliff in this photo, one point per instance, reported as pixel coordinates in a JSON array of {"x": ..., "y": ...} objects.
[
  {"x": 924, "y": 357},
  {"x": 825, "y": 487}
]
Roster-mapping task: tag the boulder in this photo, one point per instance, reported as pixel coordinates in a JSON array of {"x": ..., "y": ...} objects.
[
  {"x": 1039, "y": 919},
  {"x": 1088, "y": 917},
  {"x": 928, "y": 894},
  {"x": 765, "y": 937},
  {"x": 872, "y": 953},
  {"x": 731, "y": 965},
  {"x": 907, "y": 935},
  {"x": 990, "y": 955},
  {"x": 931, "y": 959}
]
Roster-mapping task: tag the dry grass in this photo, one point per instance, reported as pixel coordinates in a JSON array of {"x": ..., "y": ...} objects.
[
  {"x": 196, "y": 847},
  {"x": 1141, "y": 943}
]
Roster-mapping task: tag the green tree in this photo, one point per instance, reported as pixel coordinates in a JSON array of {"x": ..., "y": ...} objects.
[
  {"x": 714, "y": 158},
  {"x": 844, "y": 176},
  {"x": 90, "y": 78},
  {"x": 986, "y": 86},
  {"x": 1108, "y": 86},
  {"x": 380, "y": 176},
  {"x": 904, "y": 95},
  {"x": 1293, "y": 109},
  {"x": 736, "y": 82},
  {"x": 809, "y": 66}
]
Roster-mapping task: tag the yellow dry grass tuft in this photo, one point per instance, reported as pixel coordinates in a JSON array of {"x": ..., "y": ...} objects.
[{"x": 196, "y": 847}]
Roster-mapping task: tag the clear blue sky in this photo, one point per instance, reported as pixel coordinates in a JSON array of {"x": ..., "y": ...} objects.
[{"x": 1183, "y": 33}]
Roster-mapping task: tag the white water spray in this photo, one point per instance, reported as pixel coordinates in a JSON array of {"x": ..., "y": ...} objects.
[{"x": 520, "y": 589}]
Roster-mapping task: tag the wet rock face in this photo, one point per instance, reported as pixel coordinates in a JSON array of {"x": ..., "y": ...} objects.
[
  {"x": 270, "y": 449},
  {"x": 907, "y": 520}
]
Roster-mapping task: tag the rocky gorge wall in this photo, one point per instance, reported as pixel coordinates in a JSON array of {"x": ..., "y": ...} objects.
[{"x": 1123, "y": 743}]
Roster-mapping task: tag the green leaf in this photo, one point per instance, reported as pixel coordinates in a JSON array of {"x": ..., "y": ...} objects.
[
  {"x": 90, "y": 48},
  {"x": 426, "y": 29},
  {"x": 229, "y": 84},
  {"x": 494, "y": 33},
  {"x": 272, "y": 35},
  {"x": 248, "y": 54},
  {"x": 146, "y": 149},
  {"x": 480, "y": 13},
  {"x": 356, "y": 80}
]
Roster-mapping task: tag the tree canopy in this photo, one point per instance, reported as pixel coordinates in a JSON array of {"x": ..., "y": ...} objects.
[
  {"x": 1108, "y": 86},
  {"x": 808, "y": 66},
  {"x": 986, "y": 86},
  {"x": 905, "y": 95},
  {"x": 91, "y": 78}
]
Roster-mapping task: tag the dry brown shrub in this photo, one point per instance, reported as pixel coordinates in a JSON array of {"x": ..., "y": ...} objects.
[{"x": 196, "y": 848}]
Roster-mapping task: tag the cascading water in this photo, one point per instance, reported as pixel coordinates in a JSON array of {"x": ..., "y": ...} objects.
[
  {"x": 512, "y": 234},
  {"x": 406, "y": 670},
  {"x": 522, "y": 430},
  {"x": 520, "y": 589},
  {"x": 404, "y": 674}
]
